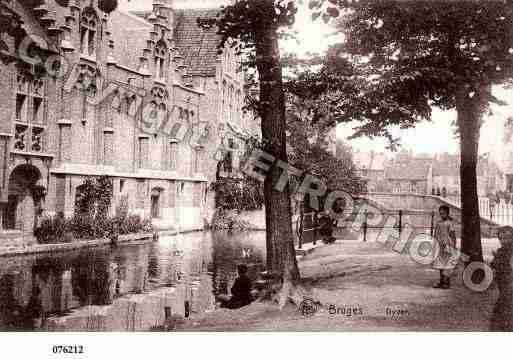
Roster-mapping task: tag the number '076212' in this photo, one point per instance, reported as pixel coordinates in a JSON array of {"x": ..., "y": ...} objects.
[{"x": 68, "y": 349}]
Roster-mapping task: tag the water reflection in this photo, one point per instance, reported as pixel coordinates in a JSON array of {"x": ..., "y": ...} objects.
[{"x": 132, "y": 287}]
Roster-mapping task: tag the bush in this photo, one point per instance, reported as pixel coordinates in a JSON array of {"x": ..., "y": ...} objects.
[
  {"x": 53, "y": 230},
  {"x": 91, "y": 219},
  {"x": 238, "y": 194},
  {"x": 94, "y": 197},
  {"x": 228, "y": 220},
  {"x": 132, "y": 224},
  {"x": 83, "y": 227}
]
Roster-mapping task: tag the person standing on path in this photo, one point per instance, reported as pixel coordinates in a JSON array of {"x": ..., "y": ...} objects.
[{"x": 446, "y": 256}]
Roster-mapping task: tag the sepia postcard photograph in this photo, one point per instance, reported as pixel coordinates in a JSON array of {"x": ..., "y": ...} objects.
[{"x": 183, "y": 167}]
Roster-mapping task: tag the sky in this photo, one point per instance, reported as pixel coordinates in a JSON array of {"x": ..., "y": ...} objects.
[{"x": 427, "y": 137}]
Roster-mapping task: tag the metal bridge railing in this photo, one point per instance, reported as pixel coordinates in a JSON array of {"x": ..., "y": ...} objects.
[{"x": 307, "y": 225}]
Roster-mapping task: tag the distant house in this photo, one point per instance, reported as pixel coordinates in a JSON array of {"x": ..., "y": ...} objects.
[
  {"x": 425, "y": 174},
  {"x": 493, "y": 178},
  {"x": 446, "y": 176},
  {"x": 409, "y": 174},
  {"x": 371, "y": 168}
]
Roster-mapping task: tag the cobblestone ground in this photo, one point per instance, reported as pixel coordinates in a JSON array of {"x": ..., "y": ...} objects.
[{"x": 364, "y": 287}]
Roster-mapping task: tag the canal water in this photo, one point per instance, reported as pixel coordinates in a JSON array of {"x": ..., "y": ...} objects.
[{"x": 130, "y": 287}]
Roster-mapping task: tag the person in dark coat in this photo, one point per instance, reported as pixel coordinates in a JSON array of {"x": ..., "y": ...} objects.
[
  {"x": 326, "y": 227},
  {"x": 502, "y": 318},
  {"x": 241, "y": 290}
]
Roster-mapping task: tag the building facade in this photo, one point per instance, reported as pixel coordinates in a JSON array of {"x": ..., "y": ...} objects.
[
  {"x": 86, "y": 93},
  {"x": 446, "y": 176},
  {"x": 371, "y": 168},
  {"x": 409, "y": 174},
  {"x": 438, "y": 175}
]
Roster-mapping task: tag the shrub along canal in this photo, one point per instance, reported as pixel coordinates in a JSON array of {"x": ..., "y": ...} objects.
[{"x": 129, "y": 287}]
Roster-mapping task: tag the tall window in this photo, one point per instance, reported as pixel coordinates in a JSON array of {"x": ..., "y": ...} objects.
[
  {"x": 160, "y": 60},
  {"x": 87, "y": 85},
  {"x": 88, "y": 31},
  {"x": 108, "y": 147},
  {"x": 228, "y": 158},
  {"x": 155, "y": 203},
  {"x": 173, "y": 153},
  {"x": 30, "y": 113},
  {"x": 196, "y": 160},
  {"x": 143, "y": 152},
  {"x": 162, "y": 113}
]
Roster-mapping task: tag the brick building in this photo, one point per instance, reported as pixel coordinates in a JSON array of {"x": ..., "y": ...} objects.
[
  {"x": 406, "y": 173},
  {"x": 371, "y": 168},
  {"x": 142, "y": 97},
  {"x": 439, "y": 175},
  {"x": 446, "y": 176}
]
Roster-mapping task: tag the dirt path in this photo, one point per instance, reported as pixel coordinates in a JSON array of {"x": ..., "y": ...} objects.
[{"x": 363, "y": 287}]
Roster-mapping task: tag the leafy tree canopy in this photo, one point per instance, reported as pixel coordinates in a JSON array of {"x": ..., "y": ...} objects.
[{"x": 426, "y": 53}]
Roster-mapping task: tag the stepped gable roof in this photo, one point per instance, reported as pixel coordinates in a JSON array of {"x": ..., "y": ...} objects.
[
  {"x": 413, "y": 169},
  {"x": 130, "y": 34},
  {"x": 447, "y": 165},
  {"x": 32, "y": 27},
  {"x": 197, "y": 45},
  {"x": 450, "y": 166}
]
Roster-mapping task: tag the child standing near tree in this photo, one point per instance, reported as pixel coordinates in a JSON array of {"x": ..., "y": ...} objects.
[{"x": 446, "y": 256}]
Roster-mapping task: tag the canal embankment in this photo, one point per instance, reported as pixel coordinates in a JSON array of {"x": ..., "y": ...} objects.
[{"x": 77, "y": 245}]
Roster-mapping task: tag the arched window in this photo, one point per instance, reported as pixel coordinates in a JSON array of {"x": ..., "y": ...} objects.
[
  {"x": 160, "y": 60},
  {"x": 162, "y": 110},
  {"x": 159, "y": 107},
  {"x": 130, "y": 104},
  {"x": 88, "y": 87},
  {"x": 153, "y": 114},
  {"x": 88, "y": 30},
  {"x": 156, "y": 196},
  {"x": 30, "y": 113}
]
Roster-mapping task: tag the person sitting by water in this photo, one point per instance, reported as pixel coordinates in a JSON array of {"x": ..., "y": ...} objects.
[{"x": 241, "y": 290}]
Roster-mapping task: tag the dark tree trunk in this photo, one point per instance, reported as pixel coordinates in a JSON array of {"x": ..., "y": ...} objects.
[
  {"x": 281, "y": 258},
  {"x": 469, "y": 112}
]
